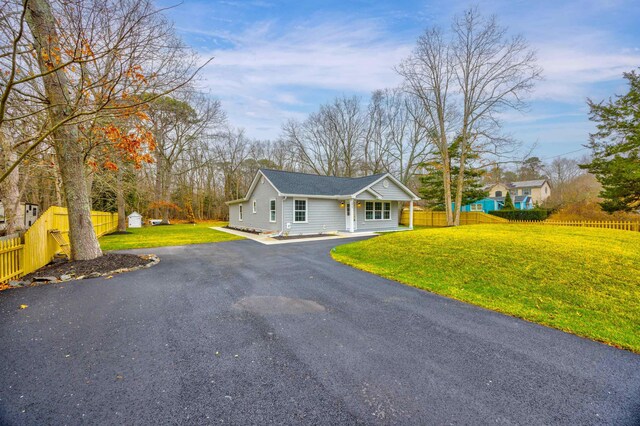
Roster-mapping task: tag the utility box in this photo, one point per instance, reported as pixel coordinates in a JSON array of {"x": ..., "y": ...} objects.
[{"x": 135, "y": 220}]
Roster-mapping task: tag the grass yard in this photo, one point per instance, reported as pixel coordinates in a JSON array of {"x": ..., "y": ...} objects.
[
  {"x": 170, "y": 235},
  {"x": 581, "y": 280}
]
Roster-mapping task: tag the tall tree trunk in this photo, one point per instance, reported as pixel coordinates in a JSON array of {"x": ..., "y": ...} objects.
[
  {"x": 122, "y": 218},
  {"x": 446, "y": 173},
  {"x": 83, "y": 239},
  {"x": 57, "y": 182},
  {"x": 446, "y": 177},
  {"x": 10, "y": 190},
  {"x": 166, "y": 178},
  {"x": 157, "y": 190},
  {"x": 460, "y": 185}
]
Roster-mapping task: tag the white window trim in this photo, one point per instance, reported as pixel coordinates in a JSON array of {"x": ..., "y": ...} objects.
[
  {"x": 240, "y": 212},
  {"x": 374, "y": 211},
  {"x": 474, "y": 209},
  {"x": 306, "y": 210},
  {"x": 254, "y": 206},
  {"x": 274, "y": 211}
]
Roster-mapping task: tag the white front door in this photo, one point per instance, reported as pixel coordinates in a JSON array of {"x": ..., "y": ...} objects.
[{"x": 350, "y": 216}]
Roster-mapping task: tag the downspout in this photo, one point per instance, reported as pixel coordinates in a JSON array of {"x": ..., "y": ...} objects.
[{"x": 282, "y": 224}]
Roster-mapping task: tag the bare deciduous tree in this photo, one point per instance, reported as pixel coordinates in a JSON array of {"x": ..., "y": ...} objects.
[
  {"x": 93, "y": 61},
  {"x": 463, "y": 80}
]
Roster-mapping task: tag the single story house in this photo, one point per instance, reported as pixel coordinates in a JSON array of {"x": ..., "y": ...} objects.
[
  {"x": 486, "y": 205},
  {"x": 299, "y": 203}
]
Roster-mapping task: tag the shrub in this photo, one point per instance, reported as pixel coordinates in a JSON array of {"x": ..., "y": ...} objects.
[
  {"x": 535, "y": 214},
  {"x": 588, "y": 210}
]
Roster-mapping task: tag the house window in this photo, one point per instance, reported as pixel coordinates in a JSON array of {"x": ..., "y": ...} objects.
[
  {"x": 476, "y": 207},
  {"x": 527, "y": 191},
  {"x": 240, "y": 212},
  {"x": 255, "y": 206},
  {"x": 498, "y": 193},
  {"x": 546, "y": 189},
  {"x": 299, "y": 211},
  {"x": 272, "y": 210},
  {"x": 377, "y": 210}
]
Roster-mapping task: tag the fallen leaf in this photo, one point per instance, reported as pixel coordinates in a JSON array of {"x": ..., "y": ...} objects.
[
  {"x": 24, "y": 306},
  {"x": 109, "y": 277}
]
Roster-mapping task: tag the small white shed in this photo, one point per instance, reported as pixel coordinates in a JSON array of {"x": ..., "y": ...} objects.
[{"x": 135, "y": 220}]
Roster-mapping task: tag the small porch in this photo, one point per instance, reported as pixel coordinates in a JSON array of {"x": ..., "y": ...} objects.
[{"x": 377, "y": 215}]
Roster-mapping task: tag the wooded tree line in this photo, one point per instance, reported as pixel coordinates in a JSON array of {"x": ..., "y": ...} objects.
[{"x": 100, "y": 108}]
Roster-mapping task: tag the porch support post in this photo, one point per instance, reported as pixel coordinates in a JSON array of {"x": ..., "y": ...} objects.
[
  {"x": 351, "y": 206},
  {"x": 411, "y": 214}
]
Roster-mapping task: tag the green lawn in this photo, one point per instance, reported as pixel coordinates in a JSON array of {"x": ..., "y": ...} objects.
[
  {"x": 584, "y": 281},
  {"x": 170, "y": 235}
]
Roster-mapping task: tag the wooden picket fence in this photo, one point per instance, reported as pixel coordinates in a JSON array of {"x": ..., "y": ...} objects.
[
  {"x": 606, "y": 224},
  {"x": 21, "y": 256},
  {"x": 435, "y": 218},
  {"x": 11, "y": 249}
]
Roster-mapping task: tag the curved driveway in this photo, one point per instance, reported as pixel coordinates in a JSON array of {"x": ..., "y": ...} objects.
[{"x": 243, "y": 333}]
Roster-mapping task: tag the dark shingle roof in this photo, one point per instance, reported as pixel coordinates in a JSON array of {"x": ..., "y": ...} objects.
[
  {"x": 528, "y": 183},
  {"x": 307, "y": 184}
]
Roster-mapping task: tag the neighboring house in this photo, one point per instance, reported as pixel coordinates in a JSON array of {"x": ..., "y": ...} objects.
[
  {"x": 486, "y": 205},
  {"x": 524, "y": 194},
  {"x": 28, "y": 211},
  {"x": 539, "y": 190},
  {"x": 299, "y": 203}
]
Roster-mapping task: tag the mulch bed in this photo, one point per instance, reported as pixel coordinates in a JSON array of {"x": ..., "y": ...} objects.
[
  {"x": 105, "y": 264},
  {"x": 299, "y": 237},
  {"x": 248, "y": 231}
]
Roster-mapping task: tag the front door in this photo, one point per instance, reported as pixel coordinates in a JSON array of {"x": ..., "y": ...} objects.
[{"x": 350, "y": 216}]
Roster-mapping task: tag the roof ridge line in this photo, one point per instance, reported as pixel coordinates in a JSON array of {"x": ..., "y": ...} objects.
[{"x": 317, "y": 175}]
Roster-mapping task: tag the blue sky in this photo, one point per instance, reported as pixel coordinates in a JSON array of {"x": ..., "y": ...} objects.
[{"x": 276, "y": 60}]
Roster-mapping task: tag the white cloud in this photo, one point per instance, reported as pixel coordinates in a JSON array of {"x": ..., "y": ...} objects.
[
  {"x": 269, "y": 71},
  {"x": 571, "y": 71},
  {"x": 272, "y": 71},
  {"x": 337, "y": 57}
]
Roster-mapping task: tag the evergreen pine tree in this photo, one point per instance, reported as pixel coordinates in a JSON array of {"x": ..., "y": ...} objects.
[
  {"x": 432, "y": 185},
  {"x": 508, "y": 203},
  {"x": 616, "y": 148}
]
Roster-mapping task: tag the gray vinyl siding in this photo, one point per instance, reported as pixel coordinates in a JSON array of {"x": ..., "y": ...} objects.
[
  {"x": 366, "y": 195},
  {"x": 233, "y": 215},
  {"x": 262, "y": 193},
  {"x": 393, "y": 192},
  {"x": 324, "y": 215},
  {"x": 378, "y": 225},
  {"x": 327, "y": 216}
]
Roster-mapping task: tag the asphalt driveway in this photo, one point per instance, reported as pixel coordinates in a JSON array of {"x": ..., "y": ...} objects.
[{"x": 243, "y": 333}]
